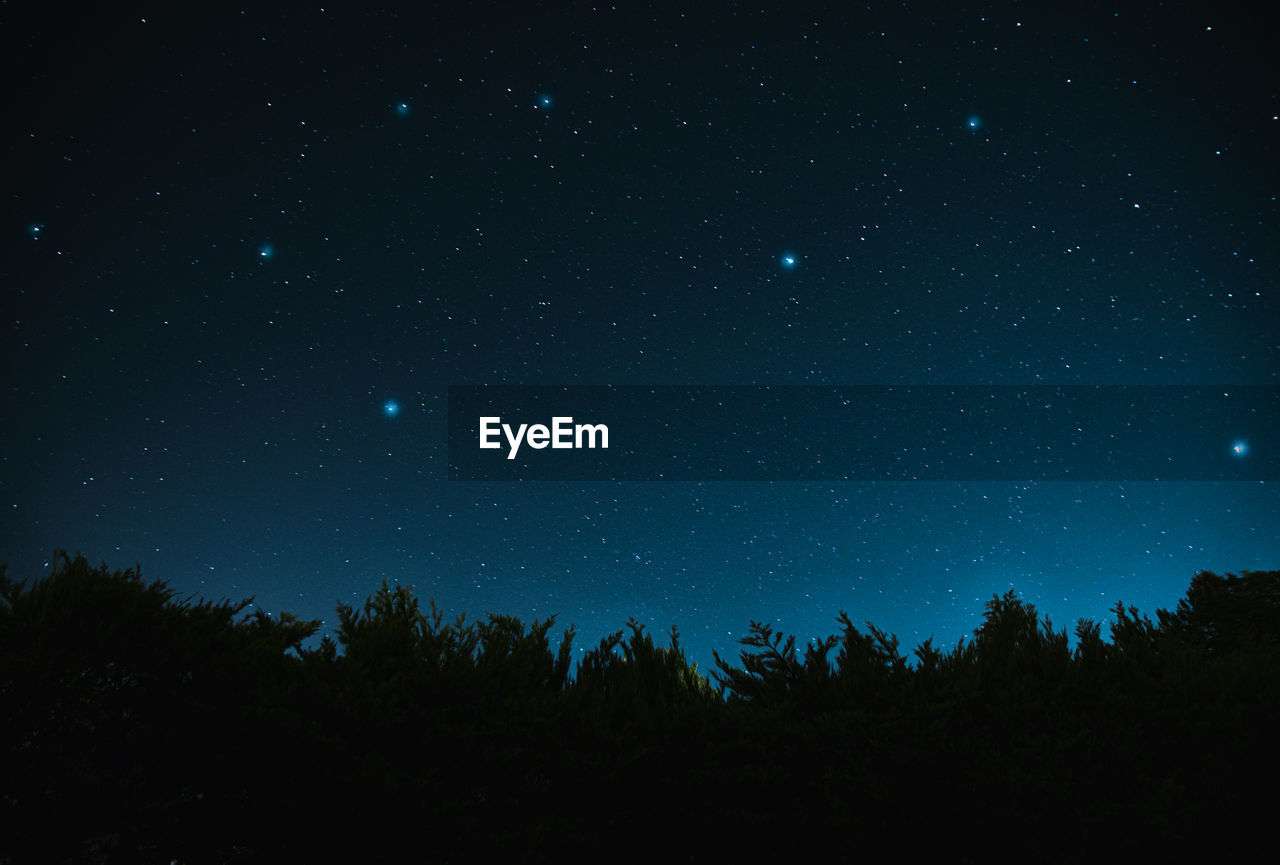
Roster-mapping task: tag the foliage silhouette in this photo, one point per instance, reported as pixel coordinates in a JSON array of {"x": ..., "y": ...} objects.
[
  {"x": 203, "y": 732},
  {"x": 1227, "y": 614}
]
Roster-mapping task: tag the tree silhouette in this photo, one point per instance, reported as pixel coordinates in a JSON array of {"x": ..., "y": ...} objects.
[
  {"x": 203, "y": 732},
  {"x": 1228, "y": 614},
  {"x": 108, "y": 683}
]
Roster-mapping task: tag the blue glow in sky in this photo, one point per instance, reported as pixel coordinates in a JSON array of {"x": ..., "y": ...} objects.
[{"x": 485, "y": 232}]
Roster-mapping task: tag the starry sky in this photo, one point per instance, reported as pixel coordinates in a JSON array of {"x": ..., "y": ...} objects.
[{"x": 245, "y": 253}]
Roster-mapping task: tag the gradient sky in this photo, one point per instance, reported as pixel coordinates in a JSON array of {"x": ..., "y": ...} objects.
[{"x": 244, "y": 254}]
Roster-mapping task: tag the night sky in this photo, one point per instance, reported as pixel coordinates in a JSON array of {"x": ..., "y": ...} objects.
[{"x": 245, "y": 254}]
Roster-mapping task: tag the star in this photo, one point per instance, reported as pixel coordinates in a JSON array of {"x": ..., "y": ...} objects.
[
  {"x": 391, "y": 408},
  {"x": 544, "y": 100},
  {"x": 788, "y": 261},
  {"x": 266, "y": 251},
  {"x": 974, "y": 123},
  {"x": 402, "y": 108},
  {"x": 1240, "y": 448}
]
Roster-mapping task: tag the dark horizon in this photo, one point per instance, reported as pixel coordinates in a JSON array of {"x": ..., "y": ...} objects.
[{"x": 175, "y": 732}]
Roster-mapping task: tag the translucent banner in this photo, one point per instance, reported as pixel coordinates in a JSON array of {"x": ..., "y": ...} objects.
[{"x": 864, "y": 433}]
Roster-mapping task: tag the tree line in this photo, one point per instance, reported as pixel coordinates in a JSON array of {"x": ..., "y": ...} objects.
[{"x": 146, "y": 728}]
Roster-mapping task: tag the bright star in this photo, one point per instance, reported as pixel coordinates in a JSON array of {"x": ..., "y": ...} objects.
[
  {"x": 788, "y": 261},
  {"x": 544, "y": 100},
  {"x": 391, "y": 408},
  {"x": 266, "y": 251},
  {"x": 1240, "y": 448},
  {"x": 402, "y": 108},
  {"x": 974, "y": 123}
]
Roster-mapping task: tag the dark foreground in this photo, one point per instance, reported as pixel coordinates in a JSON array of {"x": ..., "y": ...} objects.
[{"x": 145, "y": 729}]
